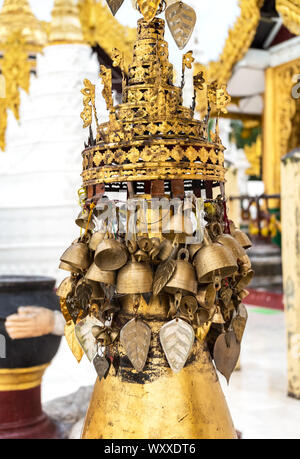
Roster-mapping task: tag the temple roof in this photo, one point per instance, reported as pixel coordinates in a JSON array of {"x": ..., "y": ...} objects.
[
  {"x": 65, "y": 26},
  {"x": 16, "y": 16}
]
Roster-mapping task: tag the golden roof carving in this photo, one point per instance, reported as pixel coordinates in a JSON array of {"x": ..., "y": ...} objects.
[
  {"x": 65, "y": 26},
  {"x": 290, "y": 13},
  {"x": 102, "y": 28},
  {"x": 237, "y": 43},
  {"x": 16, "y": 16}
]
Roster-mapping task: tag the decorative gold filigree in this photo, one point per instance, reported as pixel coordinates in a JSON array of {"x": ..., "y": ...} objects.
[
  {"x": 106, "y": 77},
  {"x": 254, "y": 154},
  {"x": 279, "y": 113},
  {"x": 88, "y": 104},
  {"x": 3, "y": 123},
  {"x": 290, "y": 13},
  {"x": 152, "y": 126},
  {"x": 16, "y": 72},
  {"x": 20, "y": 35},
  {"x": 148, "y": 8},
  {"x": 100, "y": 27},
  {"x": 153, "y": 171},
  {"x": 218, "y": 97}
]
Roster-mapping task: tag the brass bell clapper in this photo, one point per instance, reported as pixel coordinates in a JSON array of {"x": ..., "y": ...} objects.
[{"x": 156, "y": 281}]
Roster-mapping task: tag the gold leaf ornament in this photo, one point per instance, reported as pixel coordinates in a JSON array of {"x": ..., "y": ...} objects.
[
  {"x": 177, "y": 339},
  {"x": 84, "y": 335},
  {"x": 239, "y": 322},
  {"x": 114, "y": 5},
  {"x": 187, "y": 60},
  {"x": 226, "y": 353},
  {"x": 72, "y": 341},
  {"x": 162, "y": 276},
  {"x": 181, "y": 19},
  {"x": 135, "y": 337},
  {"x": 148, "y": 8},
  {"x": 88, "y": 103}
]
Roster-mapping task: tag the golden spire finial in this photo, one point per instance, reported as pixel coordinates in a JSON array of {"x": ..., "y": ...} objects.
[
  {"x": 65, "y": 26},
  {"x": 16, "y": 17}
]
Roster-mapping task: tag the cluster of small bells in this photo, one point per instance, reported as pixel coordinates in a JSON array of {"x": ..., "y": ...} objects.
[{"x": 204, "y": 283}]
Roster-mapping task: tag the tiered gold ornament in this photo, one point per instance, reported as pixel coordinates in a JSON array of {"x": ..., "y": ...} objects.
[{"x": 154, "y": 298}]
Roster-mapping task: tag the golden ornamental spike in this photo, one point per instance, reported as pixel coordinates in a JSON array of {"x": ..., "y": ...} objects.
[
  {"x": 148, "y": 8},
  {"x": 88, "y": 103},
  {"x": 106, "y": 77},
  {"x": 114, "y": 5}
]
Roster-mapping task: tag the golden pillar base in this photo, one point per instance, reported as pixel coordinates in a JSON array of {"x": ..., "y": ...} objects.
[{"x": 159, "y": 404}]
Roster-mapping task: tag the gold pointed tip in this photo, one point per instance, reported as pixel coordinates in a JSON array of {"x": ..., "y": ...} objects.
[{"x": 17, "y": 16}]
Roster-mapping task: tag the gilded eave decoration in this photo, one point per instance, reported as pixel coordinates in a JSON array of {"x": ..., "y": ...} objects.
[
  {"x": 100, "y": 27},
  {"x": 290, "y": 13},
  {"x": 15, "y": 68},
  {"x": 237, "y": 43}
]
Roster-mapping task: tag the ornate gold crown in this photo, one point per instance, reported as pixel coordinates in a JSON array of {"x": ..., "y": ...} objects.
[{"x": 151, "y": 135}]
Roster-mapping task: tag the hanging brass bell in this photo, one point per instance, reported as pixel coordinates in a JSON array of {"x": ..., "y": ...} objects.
[
  {"x": 82, "y": 220},
  {"x": 214, "y": 258},
  {"x": 77, "y": 256},
  {"x": 96, "y": 274},
  {"x": 243, "y": 294},
  {"x": 226, "y": 239},
  {"x": 240, "y": 236},
  {"x": 131, "y": 246},
  {"x": 145, "y": 244},
  {"x": 244, "y": 279},
  {"x": 206, "y": 296},
  {"x": 232, "y": 244},
  {"x": 96, "y": 239},
  {"x": 218, "y": 317},
  {"x": 154, "y": 252},
  {"x": 244, "y": 264},
  {"x": 194, "y": 248},
  {"x": 168, "y": 249},
  {"x": 111, "y": 255},
  {"x": 184, "y": 277},
  {"x": 67, "y": 267},
  {"x": 141, "y": 256},
  {"x": 135, "y": 278}
]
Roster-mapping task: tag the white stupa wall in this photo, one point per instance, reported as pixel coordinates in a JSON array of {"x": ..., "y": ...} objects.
[{"x": 40, "y": 169}]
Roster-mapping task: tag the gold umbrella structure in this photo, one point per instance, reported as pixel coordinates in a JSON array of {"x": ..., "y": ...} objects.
[{"x": 153, "y": 353}]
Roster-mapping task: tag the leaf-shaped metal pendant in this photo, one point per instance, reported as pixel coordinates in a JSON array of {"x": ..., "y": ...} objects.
[
  {"x": 83, "y": 332},
  {"x": 239, "y": 322},
  {"x": 114, "y": 5},
  {"x": 135, "y": 336},
  {"x": 65, "y": 288},
  {"x": 162, "y": 276},
  {"x": 72, "y": 341},
  {"x": 177, "y": 338},
  {"x": 101, "y": 365},
  {"x": 181, "y": 20},
  {"x": 226, "y": 354},
  {"x": 83, "y": 294},
  {"x": 148, "y": 8}
]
